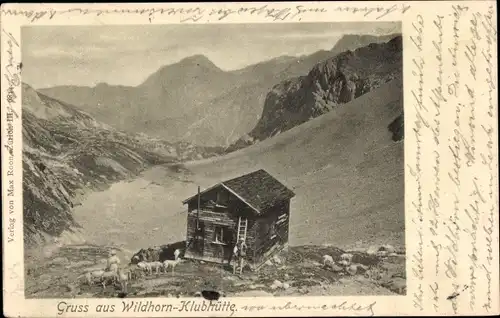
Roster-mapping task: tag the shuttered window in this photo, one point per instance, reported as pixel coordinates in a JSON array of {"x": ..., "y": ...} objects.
[
  {"x": 222, "y": 235},
  {"x": 219, "y": 234}
]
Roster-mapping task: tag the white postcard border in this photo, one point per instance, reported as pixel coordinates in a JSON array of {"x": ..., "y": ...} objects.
[{"x": 439, "y": 241}]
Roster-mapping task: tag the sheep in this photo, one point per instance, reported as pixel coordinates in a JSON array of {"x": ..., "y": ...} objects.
[
  {"x": 92, "y": 275},
  {"x": 131, "y": 270},
  {"x": 102, "y": 276},
  {"x": 346, "y": 259},
  {"x": 170, "y": 263},
  {"x": 146, "y": 267},
  {"x": 327, "y": 259},
  {"x": 157, "y": 266},
  {"x": 107, "y": 277},
  {"x": 87, "y": 277},
  {"x": 135, "y": 272}
]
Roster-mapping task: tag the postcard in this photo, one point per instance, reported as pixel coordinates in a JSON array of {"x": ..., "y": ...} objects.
[{"x": 250, "y": 159}]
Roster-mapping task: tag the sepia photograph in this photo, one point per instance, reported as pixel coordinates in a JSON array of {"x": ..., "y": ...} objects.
[{"x": 209, "y": 160}]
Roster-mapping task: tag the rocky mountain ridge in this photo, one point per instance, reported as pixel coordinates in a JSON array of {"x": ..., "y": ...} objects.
[
  {"x": 194, "y": 100},
  {"x": 328, "y": 85},
  {"x": 350, "y": 42}
]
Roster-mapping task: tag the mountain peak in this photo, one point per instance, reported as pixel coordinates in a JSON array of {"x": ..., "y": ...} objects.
[
  {"x": 198, "y": 59},
  {"x": 101, "y": 85},
  {"x": 188, "y": 67},
  {"x": 397, "y": 42}
]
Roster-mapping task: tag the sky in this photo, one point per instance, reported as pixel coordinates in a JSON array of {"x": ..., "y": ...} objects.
[{"x": 128, "y": 54}]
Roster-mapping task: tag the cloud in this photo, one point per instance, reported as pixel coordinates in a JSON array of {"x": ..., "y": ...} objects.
[{"x": 80, "y": 52}]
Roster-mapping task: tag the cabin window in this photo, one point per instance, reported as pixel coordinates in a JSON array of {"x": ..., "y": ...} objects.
[
  {"x": 221, "y": 235},
  {"x": 222, "y": 197}
]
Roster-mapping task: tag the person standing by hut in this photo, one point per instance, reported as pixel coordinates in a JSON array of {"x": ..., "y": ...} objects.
[
  {"x": 240, "y": 250},
  {"x": 235, "y": 257},
  {"x": 112, "y": 262}
]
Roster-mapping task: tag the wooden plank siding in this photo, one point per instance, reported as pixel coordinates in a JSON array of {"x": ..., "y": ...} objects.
[
  {"x": 214, "y": 216},
  {"x": 278, "y": 216},
  {"x": 221, "y": 218},
  {"x": 210, "y": 221}
]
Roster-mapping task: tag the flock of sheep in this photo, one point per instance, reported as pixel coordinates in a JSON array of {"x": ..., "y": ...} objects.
[
  {"x": 359, "y": 263},
  {"x": 345, "y": 260},
  {"x": 345, "y": 264},
  {"x": 114, "y": 274},
  {"x": 158, "y": 266},
  {"x": 139, "y": 266},
  {"x": 109, "y": 277}
]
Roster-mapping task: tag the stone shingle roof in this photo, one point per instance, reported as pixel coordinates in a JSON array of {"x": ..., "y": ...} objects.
[{"x": 257, "y": 189}]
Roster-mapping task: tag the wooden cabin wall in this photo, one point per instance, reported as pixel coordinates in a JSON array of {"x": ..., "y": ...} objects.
[
  {"x": 251, "y": 239},
  {"x": 212, "y": 217},
  {"x": 264, "y": 240},
  {"x": 209, "y": 220},
  {"x": 193, "y": 247}
]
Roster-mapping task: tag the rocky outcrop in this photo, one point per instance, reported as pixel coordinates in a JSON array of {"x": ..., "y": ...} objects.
[
  {"x": 329, "y": 84},
  {"x": 354, "y": 41},
  {"x": 397, "y": 128}
]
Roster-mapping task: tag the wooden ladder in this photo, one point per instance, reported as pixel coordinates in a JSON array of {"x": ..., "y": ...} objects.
[
  {"x": 242, "y": 229},
  {"x": 242, "y": 235}
]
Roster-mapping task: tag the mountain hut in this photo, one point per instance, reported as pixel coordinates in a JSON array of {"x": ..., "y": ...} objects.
[{"x": 254, "y": 207}]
